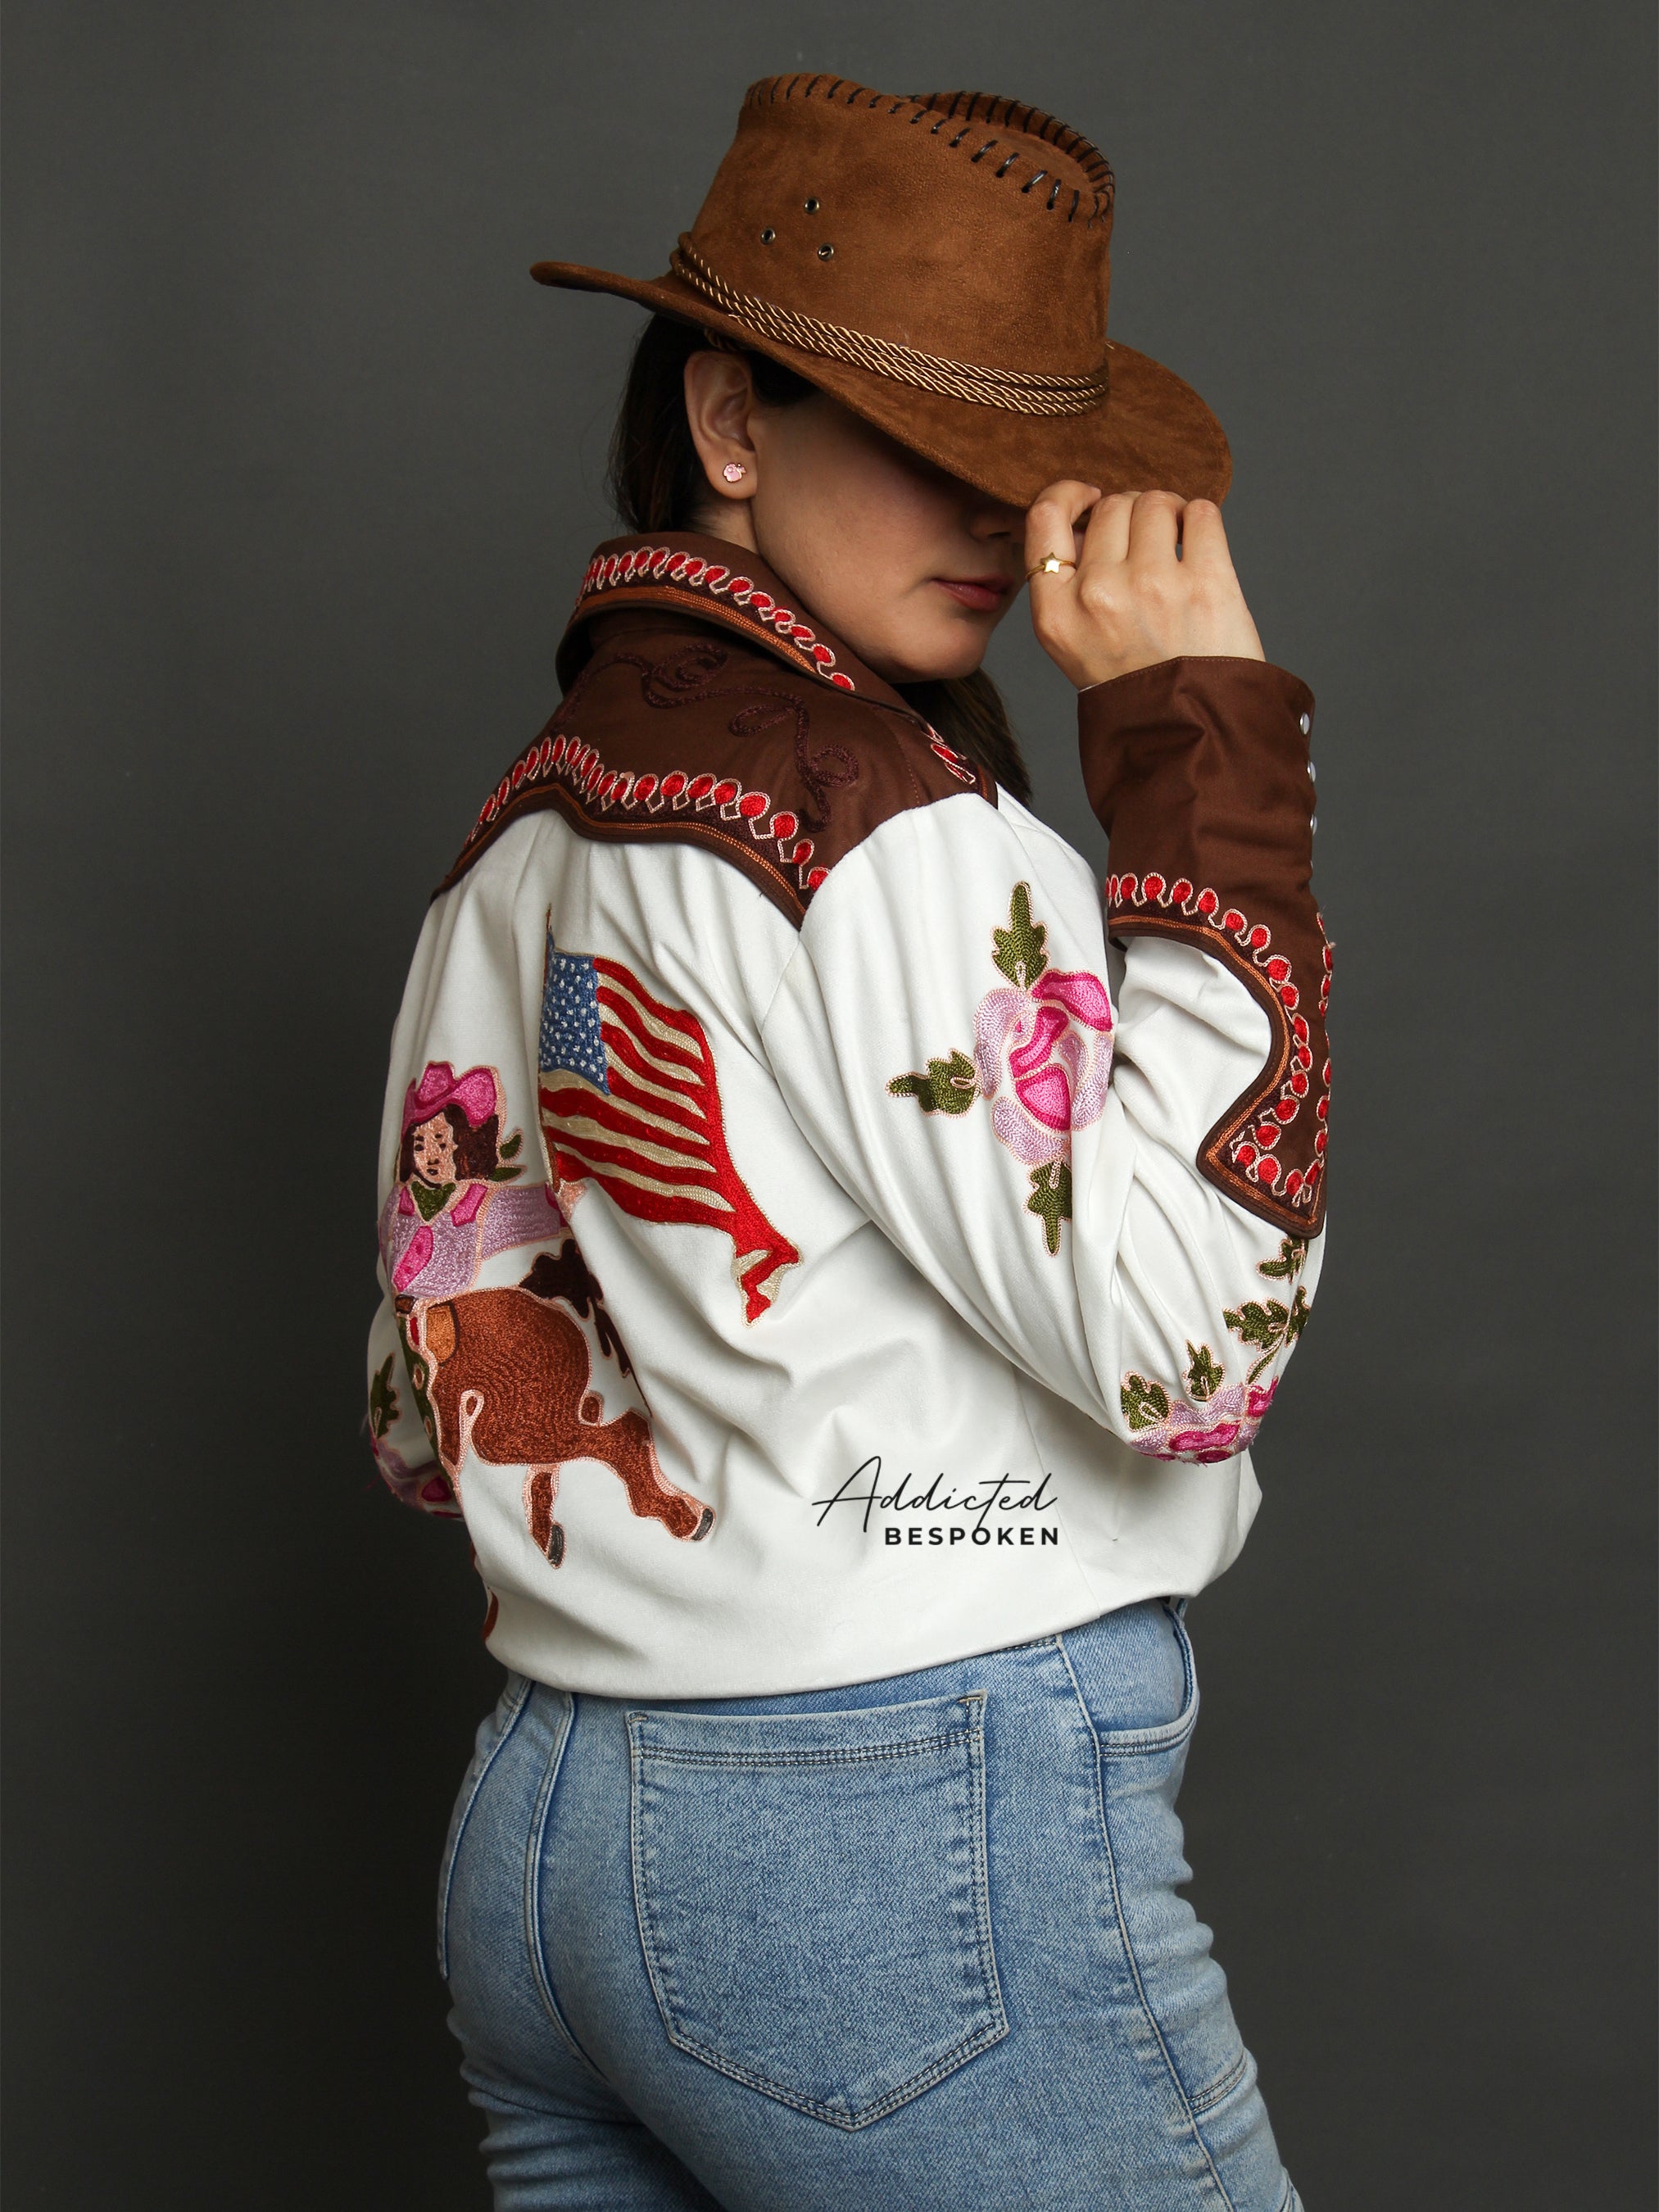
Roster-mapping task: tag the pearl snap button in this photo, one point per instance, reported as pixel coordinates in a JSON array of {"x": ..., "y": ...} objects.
[
  {"x": 1313, "y": 773},
  {"x": 1307, "y": 724},
  {"x": 1313, "y": 822}
]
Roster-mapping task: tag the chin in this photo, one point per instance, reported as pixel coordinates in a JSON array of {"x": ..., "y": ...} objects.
[
  {"x": 956, "y": 651},
  {"x": 951, "y": 667}
]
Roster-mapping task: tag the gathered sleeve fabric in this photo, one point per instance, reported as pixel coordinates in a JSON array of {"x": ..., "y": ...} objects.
[{"x": 1121, "y": 1189}]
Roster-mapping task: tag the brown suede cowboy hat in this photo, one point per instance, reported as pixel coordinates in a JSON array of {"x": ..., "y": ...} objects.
[{"x": 941, "y": 266}]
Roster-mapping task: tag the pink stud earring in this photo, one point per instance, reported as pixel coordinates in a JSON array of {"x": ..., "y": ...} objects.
[{"x": 734, "y": 472}]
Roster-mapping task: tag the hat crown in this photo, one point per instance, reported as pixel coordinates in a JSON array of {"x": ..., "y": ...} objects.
[{"x": 960, "y": 224}]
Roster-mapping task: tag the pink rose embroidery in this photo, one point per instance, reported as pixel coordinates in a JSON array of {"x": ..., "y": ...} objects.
[
  {"x": 1042, "y": 1060},
  {"x": 1219, "y": 1429},
  {"x": 1216, "y": 1420},
  {"x": 1048, "y": 1052}
]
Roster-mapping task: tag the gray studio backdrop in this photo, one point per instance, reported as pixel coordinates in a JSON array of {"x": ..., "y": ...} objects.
[{"x": 303, "y": 470}]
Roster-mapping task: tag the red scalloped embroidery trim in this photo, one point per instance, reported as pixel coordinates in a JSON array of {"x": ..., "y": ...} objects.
[
  {"x": 958, "y": 764},
  {"x": 571, "y": 762},
  {"x": 1252, "y": 1149},
  {"x": 660, "y": 564}
]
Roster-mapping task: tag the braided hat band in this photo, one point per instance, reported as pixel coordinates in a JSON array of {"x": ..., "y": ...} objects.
[
  {"x": 1017, "y": 392},
  {"x": 973, "y": 234}
]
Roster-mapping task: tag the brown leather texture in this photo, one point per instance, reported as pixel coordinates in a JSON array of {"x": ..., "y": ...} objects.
[
  {"x": 698, "y": 707},
  {"x": 964, "y": 228},
  {"x": 1198, "y": 771}
]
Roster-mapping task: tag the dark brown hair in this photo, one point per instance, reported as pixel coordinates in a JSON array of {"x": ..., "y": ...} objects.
[
  {"x": 657, "y": 483},
  {"x": 475, "y": 1152}
]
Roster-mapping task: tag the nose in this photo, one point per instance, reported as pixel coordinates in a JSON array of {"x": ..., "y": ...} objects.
[{"x": 992, "y": 518}]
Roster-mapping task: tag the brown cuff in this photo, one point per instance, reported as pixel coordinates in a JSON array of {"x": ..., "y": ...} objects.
[{"x": 1198, "y": 771}]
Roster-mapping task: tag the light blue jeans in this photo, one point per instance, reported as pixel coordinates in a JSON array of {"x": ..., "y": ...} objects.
[{"x": 911, "y": 1946}]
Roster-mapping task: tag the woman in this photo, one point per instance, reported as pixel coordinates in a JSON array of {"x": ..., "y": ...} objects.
[{"x": 821, "y": 1848}]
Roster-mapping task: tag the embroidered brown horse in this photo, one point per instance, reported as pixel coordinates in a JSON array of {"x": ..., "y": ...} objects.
[{"x": 511, "y": 1381}]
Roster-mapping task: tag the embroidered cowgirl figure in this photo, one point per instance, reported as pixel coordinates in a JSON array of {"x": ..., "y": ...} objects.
[
  {"x": 959, "y": 1214},
  {"x": 452, "y": 1207}
]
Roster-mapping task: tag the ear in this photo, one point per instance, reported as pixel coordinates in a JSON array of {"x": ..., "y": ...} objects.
[{"x": 720, "y": 403}]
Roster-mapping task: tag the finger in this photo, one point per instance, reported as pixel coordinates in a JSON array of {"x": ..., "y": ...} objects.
[
  {"x": 1153, "y": 525},
  {"x": 1051, "y": 518},
  {"x": 1204, "y": 536},
  {"x": 1108, "y": 535}
]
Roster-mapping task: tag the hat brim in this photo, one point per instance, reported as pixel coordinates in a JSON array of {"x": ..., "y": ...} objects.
[{"x": 1152, "y": 433}]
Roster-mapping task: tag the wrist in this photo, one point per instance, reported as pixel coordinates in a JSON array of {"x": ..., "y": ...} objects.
[{"x": 1089, "y": 680}]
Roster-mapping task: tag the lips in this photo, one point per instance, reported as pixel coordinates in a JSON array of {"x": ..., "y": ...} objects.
[{"x": 983, "y": 594}]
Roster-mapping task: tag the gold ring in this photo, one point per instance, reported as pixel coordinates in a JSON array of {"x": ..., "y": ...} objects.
[{"x": 1050, "y": 565}]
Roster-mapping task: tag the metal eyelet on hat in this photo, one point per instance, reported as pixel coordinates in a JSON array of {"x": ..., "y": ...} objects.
[{"x": 777, "y": 112}]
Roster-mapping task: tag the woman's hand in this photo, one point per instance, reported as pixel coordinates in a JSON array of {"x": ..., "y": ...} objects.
[{"x": 1130, "y": 601}]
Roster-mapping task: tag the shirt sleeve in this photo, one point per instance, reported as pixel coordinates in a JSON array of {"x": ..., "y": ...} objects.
[
  {"x": 464, "y": 1048},
  {"x": 402, "y": 1450},
  {"x": 1126, "y": 1199}
]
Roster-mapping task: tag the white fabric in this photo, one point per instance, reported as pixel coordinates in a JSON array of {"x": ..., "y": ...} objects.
[{"x": 927, "y": 1321}]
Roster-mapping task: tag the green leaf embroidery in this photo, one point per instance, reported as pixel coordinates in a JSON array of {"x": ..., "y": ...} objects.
[
  {"x": 1051, "y": 1199},
  {"x": 1293, "y": 1251},
  {"x": 1018, "y": 949},
  {"x": 382, "y": 1398},
  {"x": 1273, "y": 1326},
  {"x": 505, "y": 1174},
  {"x": 950, "y": 1086},
  {"x": 1204, "y": 1376},
  {"x": 1144, "y": 1403},
  {"x": 509, "y": 1145},
  {"x": 1257, "y": 1323},
  {"x": 947, "y": 1088}
]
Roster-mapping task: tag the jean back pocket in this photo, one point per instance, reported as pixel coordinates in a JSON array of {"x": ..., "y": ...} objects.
[{"x": 813, "y": 1898}]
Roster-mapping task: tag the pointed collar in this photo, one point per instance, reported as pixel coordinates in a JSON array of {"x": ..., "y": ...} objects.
[{"x": 717, "y": 582}]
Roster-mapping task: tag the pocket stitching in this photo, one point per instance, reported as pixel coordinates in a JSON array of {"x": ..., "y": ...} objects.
[
  {"x": 959, "y": 2055},
  {"x": 1203, "y": 2099},
  {"x": 447, "y": 1884},
  {"x": 1169, "y": 1735},
  {"x": 829, "y": 1755},
  {"x": 992, "y": 2031}
]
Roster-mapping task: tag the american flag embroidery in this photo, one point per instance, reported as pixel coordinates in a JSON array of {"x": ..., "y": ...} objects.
[{"x": 629, "y": 1101}]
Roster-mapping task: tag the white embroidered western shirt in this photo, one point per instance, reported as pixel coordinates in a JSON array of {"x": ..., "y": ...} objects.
[{"x": 824, "y": 1232}]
